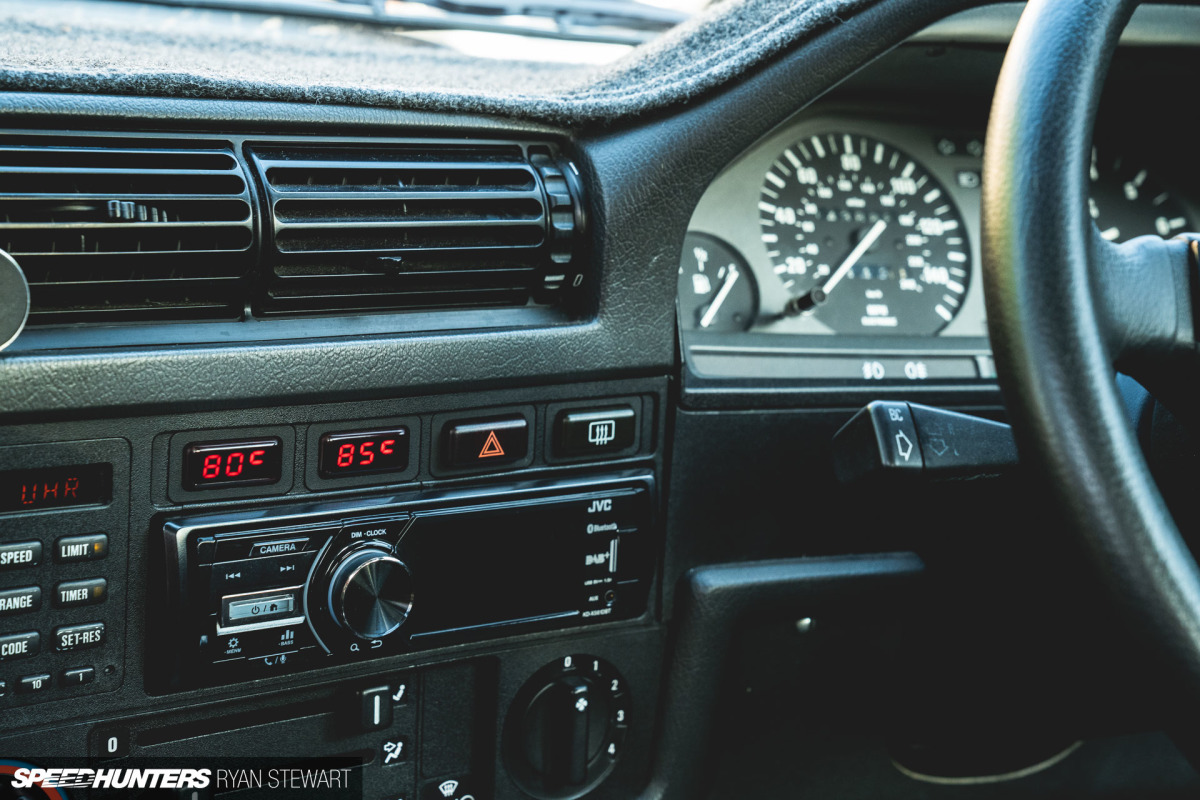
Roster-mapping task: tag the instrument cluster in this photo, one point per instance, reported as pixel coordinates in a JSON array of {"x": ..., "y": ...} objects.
[{"x": 845, "y": 246}]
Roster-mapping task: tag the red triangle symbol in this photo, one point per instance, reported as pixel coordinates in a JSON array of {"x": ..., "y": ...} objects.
[{"x": 491, "y": 447}]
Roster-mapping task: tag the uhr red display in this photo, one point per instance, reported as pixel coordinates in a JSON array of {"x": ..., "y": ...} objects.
[
  {"x": 363, "y": 452},
  {"x": 55, "y": 487},
  {"x": 224, "y": 464}
]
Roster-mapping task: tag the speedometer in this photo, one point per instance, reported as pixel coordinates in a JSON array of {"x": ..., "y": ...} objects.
[{"x": 863, "y": 237}]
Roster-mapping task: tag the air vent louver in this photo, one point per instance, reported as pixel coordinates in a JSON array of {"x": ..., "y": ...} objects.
[
  {"x": 416, "y": 225},
  {"x": 118, "y": 230}
]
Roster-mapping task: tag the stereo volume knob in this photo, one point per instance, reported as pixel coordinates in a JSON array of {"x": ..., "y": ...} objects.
[{"x": 371, "y": 593}]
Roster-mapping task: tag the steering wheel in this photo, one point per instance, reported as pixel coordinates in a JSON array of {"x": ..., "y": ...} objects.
[{"x": 1066, "y": 309}]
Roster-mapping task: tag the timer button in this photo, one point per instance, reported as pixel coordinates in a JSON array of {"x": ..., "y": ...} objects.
[
  {"x": 371, "y": 593},
  {"x": 71, "y": 549},
  {"x": 80, "y": 593}
]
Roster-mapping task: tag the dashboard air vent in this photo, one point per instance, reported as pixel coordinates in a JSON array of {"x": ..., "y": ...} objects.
[
  {"x": 417, "y": 225},
  {"x": 119, "y": 230}
]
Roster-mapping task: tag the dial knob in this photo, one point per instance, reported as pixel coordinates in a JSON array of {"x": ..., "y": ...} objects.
[
  {"x": 566, "y": 728},
  {"x": 371, "y": 593}
]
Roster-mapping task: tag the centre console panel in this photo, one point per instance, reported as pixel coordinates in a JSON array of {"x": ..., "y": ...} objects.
[{"x": 272, "y": 591}]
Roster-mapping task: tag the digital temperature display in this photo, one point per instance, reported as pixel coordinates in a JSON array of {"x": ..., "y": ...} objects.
[
  {"x": 55, "y": 487},
  {"x": 363, "y": 452},
  {"x": 224, "y": 464}
]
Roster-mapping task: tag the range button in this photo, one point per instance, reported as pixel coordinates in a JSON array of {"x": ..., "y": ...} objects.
[{"x": 20, "y": 601}]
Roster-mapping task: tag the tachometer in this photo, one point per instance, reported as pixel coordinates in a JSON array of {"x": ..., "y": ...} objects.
[
  {"x": 863, "y": 237},
  {"x": 1127, "y": 201}
]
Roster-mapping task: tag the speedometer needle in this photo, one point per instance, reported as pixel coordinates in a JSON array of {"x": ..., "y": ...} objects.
[
  {"x": 813, "y": 298},
  {"x": 726, "y": 288}
]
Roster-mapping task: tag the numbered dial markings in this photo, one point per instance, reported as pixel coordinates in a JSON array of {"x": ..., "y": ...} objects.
[
  {"x": 1127, "y": 201},
  {"x": 863, "y": 237},
  {"x": 717, "y": 291}
]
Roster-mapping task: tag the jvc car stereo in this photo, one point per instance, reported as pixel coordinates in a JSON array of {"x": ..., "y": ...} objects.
[{"x": 279, "y": 590}]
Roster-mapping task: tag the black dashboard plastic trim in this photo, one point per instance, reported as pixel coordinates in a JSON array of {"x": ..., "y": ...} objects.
[{"x": 713, "y": 601}]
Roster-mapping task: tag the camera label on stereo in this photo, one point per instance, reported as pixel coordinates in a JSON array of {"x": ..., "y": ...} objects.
[{"x": 342, "y": 582}]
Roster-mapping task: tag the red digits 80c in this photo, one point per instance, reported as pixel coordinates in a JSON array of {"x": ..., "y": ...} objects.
[{"x": 231, "y": 463}]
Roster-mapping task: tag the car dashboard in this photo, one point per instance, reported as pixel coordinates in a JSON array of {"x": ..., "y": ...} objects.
[{"x": 485, "y": 451}]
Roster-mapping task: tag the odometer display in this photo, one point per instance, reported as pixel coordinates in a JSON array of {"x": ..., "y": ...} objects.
[{"x": 863, "y": 237}]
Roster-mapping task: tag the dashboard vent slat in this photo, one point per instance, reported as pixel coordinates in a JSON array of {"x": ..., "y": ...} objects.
[
  {"x": 115, "y": 230},
  {"x": 416, "y": 225}
]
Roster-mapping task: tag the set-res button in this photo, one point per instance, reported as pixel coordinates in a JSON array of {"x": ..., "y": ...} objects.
[{"x": 79, "y": 637}]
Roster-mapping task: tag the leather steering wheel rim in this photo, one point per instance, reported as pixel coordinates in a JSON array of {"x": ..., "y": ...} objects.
[{"x": 1052, "y": 285}]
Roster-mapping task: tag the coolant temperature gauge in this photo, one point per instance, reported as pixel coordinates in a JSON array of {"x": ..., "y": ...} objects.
[{"x": 716, "y": 289}]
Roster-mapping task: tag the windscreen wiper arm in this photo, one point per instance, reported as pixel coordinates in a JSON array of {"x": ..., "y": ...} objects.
[{"x": 606, "y": 21}]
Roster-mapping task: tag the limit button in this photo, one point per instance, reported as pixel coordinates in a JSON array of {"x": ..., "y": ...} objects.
[{"x": 71, "y": 549}]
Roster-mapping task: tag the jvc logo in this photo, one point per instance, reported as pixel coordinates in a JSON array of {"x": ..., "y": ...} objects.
[{"x": 600, "y": 506}]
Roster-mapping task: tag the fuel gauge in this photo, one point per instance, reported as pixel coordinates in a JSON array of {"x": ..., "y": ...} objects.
[{"x": 716, "y": 289}]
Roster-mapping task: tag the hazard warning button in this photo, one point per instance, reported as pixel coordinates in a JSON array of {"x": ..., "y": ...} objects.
[{"x": 486, "y": 442}]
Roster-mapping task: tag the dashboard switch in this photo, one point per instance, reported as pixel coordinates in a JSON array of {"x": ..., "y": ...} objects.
[
  {"x": 79, "y": 637},
  {"x": 19, "y": 645},
  {"x": 33, "y": 683},
  {"x": 488, "y": 442},
  {"x": 880, "y": 437},
  {"x": 595, "y": 431},
  {"x": 376, "y": 708},
  {"x": 78, "y": 676},
  {"x": 20, "y": 554},
  {"x": 911, "y": 440},
  {"x": 71, "y": 549},
  {"x": 80, "y": 593},
  {"x": 20, "y": 601}
]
